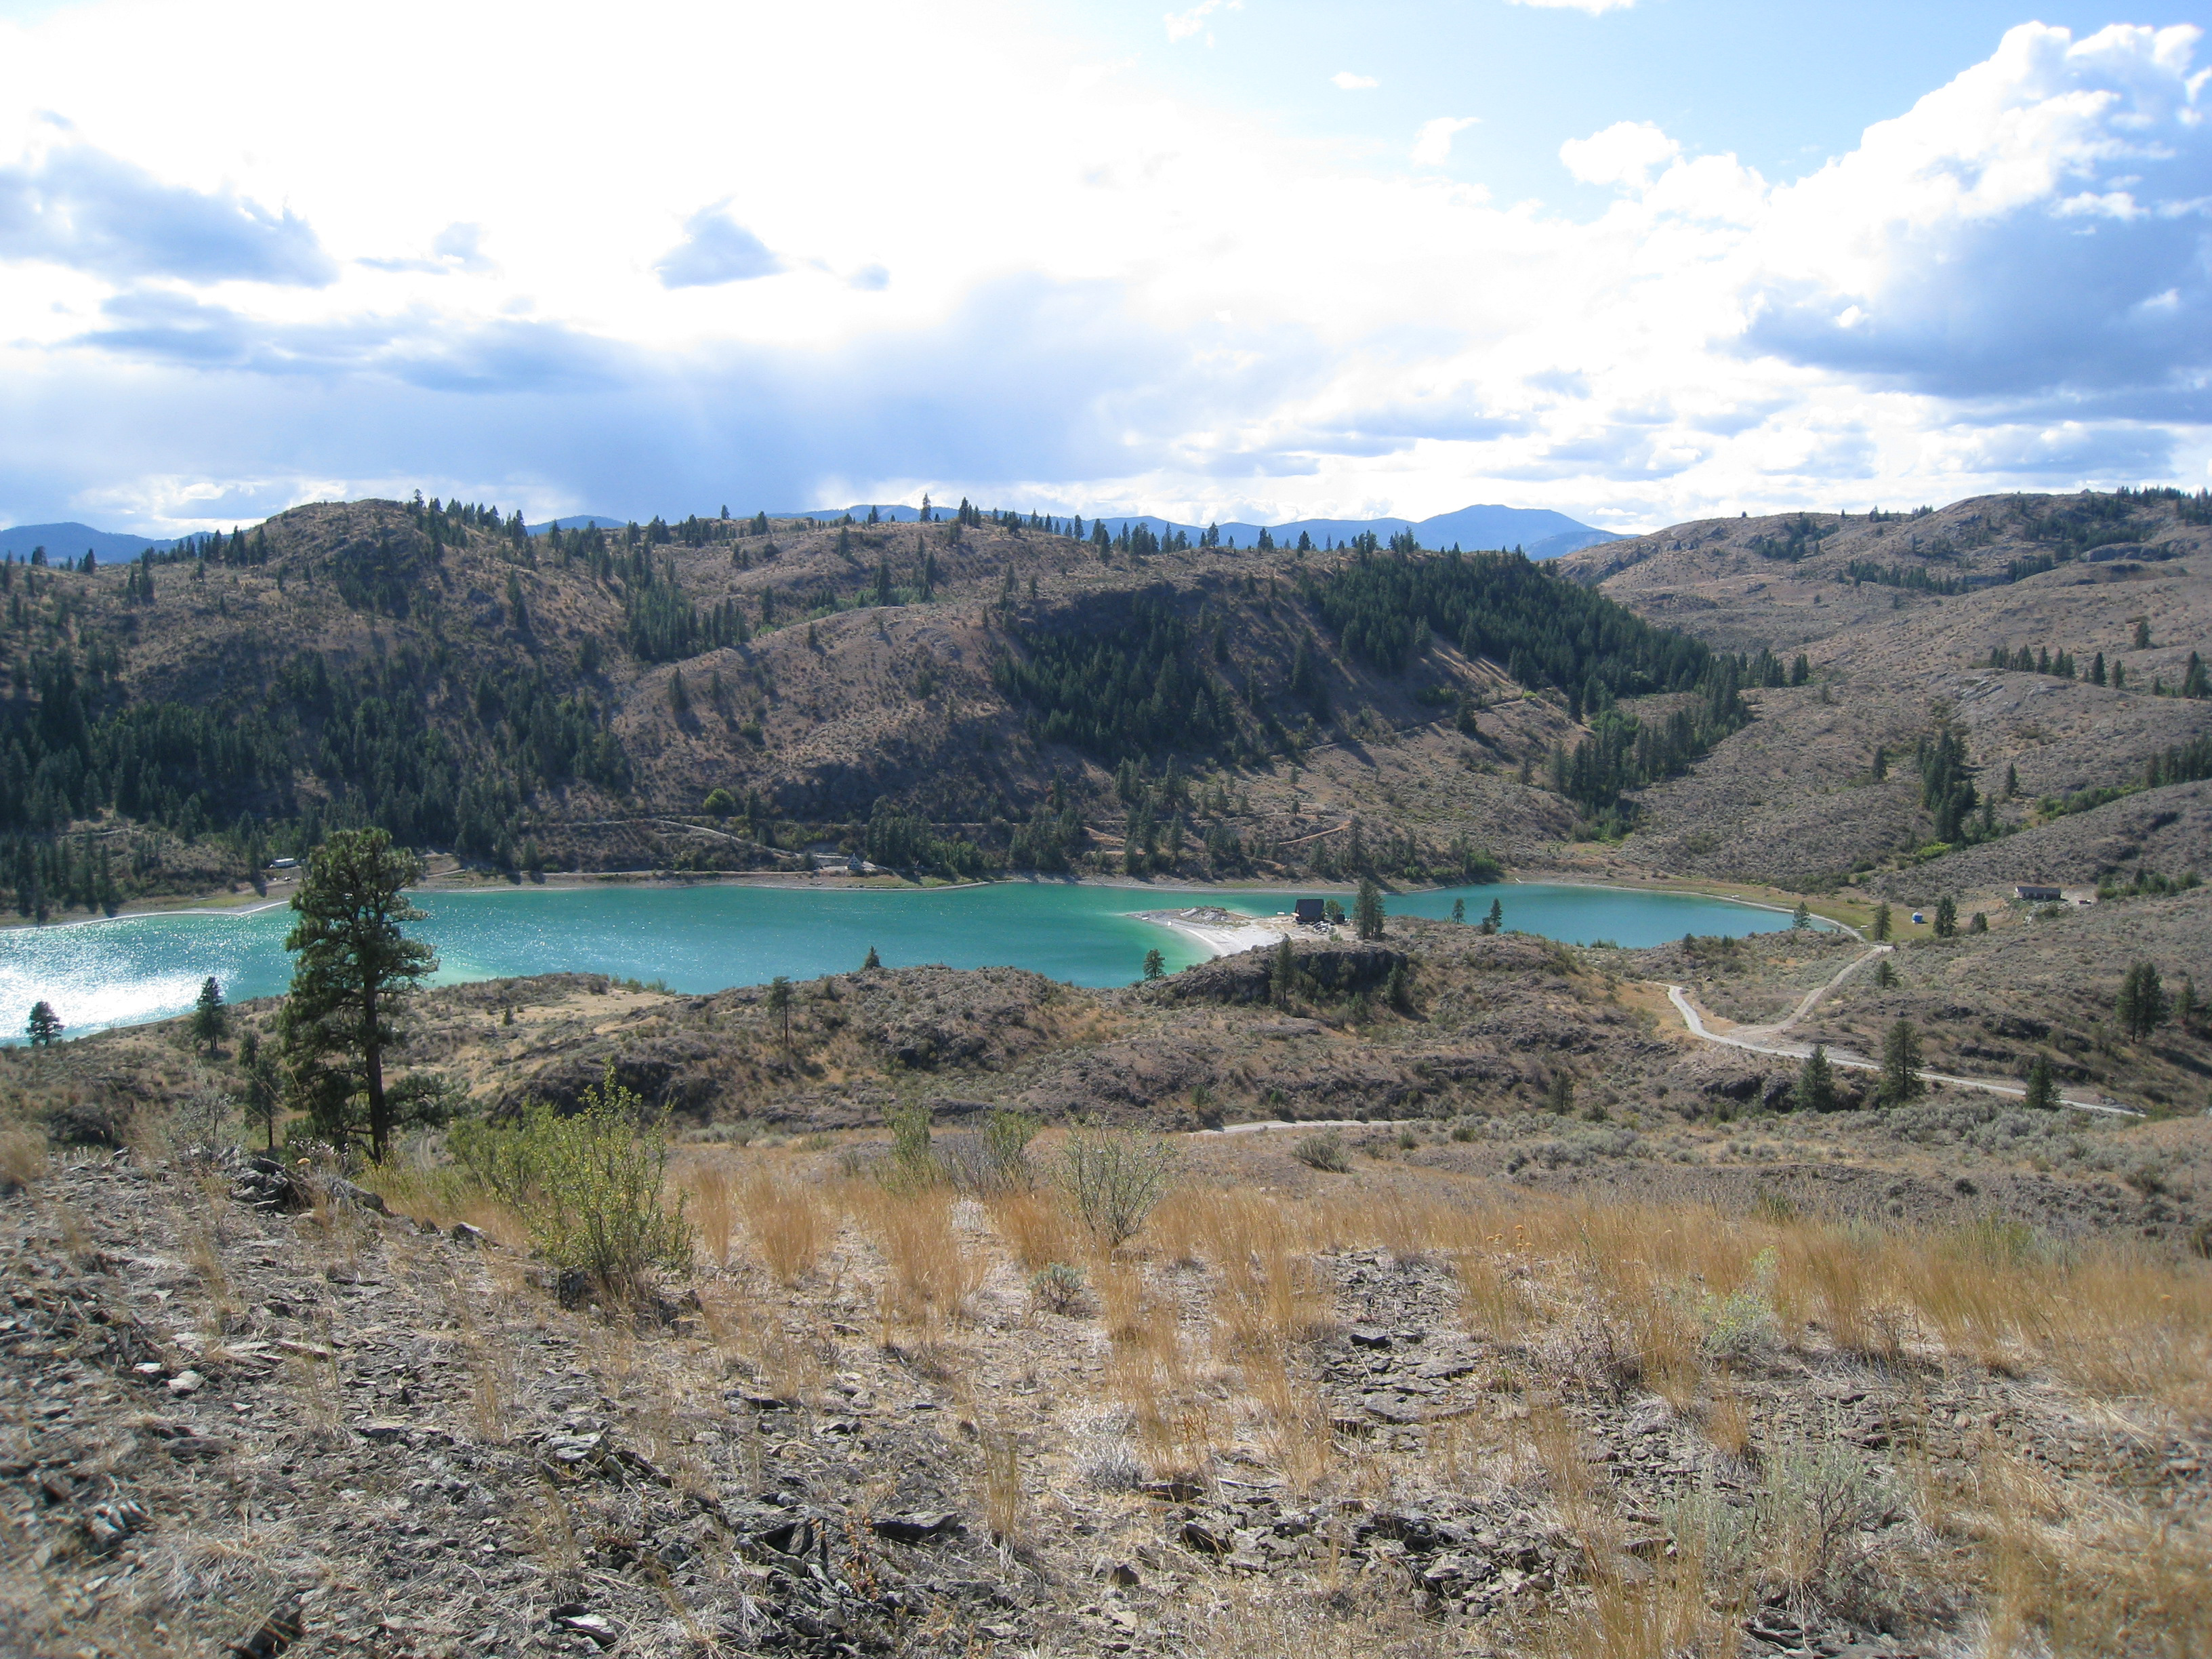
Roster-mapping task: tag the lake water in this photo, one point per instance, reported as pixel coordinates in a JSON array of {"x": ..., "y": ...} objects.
[{"x": 706, "y": 938}]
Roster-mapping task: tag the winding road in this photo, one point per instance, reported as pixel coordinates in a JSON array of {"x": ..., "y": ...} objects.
[{"x": 1741, "y": 1036}]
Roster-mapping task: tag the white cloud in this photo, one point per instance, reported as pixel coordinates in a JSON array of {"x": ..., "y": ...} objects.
[
  {"x": 1625, "y": 155},
  {"x": 1346, "y": 81},
  {"x": 1432, "y": 144},
  {"x": 715, "y": 250},
  {"x": 2002, "y": 286},
  {"x": 1593, "y": 7},
  {"x": 1183, "y": 25}
]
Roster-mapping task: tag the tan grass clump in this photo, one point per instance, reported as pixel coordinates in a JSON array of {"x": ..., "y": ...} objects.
[
  {"x": 1036, "y": 1228},
  {"x": 22, "y": 1156},
  {"x": 931, "y": 1273},
  {"x": 714, "y": 1209},
  {"x": 791, "y": 1225}
]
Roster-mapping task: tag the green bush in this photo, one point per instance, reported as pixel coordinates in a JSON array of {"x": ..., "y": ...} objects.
[
  {"x": 1114, "y": 1178},
  {"x": 1323, "y": 1151},
  {"x": 1058, "y": 1286},
  {"x": 590, "y": 1187}
]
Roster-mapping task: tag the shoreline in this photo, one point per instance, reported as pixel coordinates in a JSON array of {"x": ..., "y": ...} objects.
[
  {"x": 1221, "y": 939},
  {"x": 461, "y": 882}
]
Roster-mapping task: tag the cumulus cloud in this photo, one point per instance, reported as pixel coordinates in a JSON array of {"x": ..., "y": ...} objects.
[
  {"x": 715, "y": 249},
  {"x": 1183, "y": 25},
  {"x": 1625, "y": 155},
  {"x": 2001, "y": 287},
  {"x": 77, "y": 206},
  {"x": 1345, "y": 80},
  {"x": 2042, "y": 221},
  {"x": 457, "y": 249},
  {"x": 1432, "y": 144}
]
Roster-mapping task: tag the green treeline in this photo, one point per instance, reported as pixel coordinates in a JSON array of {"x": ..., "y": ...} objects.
[
  {"x": 1118, "y": 687},
  {"x": 1624, "y": 752},
  {"x": 661, "y": 624},
  {"x": 1546, "y": 631}
]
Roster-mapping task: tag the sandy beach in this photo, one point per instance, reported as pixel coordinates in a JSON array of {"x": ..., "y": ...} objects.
[{"x": 1223, "y": 933}]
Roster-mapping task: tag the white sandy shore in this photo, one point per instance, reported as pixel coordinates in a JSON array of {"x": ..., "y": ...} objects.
[{"x": 1223, "y": 933}]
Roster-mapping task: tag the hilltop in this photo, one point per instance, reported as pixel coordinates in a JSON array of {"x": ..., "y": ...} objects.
[
  {"x": 1736, "y": 701},
  {"x": 1897, "y": 619}
]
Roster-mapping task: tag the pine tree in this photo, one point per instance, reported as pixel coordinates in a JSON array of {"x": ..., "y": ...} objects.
[
  {"x": 1816, "y": 1082},
  {"x": 872, "y": 961},
  {"x": 1559, "y": 1097},
  {"x": 1881, "y": 926},
  {"x": 1459, "y": 909},
  {"x": 210, "y": 1019},
  {"x": 779, "y": 1005},
  {"x": 1802, "y": 917},
  {"x": 261, "y": 1093},
  {"x": 356, "y": 968},
  {"x": 2142, "y": 1007},
  {"x": 1947, "y": 918},
  {"x": 44, "y": 1024},
  {"x": 1900, "y": 1066},
  {"x": 2042, "y": 1092},
  {"x": 1283, "y": 973},
  {"x": 1367, "y": 910},
  {"x": 1155, "y": 965},
  {"x": 1885, "y": 974},
  {"x": 1494, "y": 920},
  {"x": 1978, "y": 923}
]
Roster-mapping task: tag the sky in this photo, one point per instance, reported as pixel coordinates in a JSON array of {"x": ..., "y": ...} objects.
[{"x": 1640, "y": 261}]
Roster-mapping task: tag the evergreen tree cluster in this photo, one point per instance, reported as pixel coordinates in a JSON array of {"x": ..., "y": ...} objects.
[
  {"x": 1800, "y": 536},
  {"x": 1917, "y": 578},
  {"x": 899, "y": 839},
  {"x": 1546, "y": 630},
  {"x": 661, "y": 625},
  {"x": 1947, "y": 789},
  {"x": 1123, "y": 683},
  {"x": 2188, "y": 763}
]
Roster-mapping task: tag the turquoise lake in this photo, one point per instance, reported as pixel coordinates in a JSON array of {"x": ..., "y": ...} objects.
[{"x": 706, "y": 938}]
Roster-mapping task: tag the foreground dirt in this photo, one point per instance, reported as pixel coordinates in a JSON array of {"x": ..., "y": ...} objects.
[{"x": 1397, "y": 1410}]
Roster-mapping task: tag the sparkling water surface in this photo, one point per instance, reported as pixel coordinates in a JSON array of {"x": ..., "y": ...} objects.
[{"x": 704, "y": 938}]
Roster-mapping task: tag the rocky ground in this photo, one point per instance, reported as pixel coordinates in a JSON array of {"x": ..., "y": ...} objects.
[{"x": 1395, "y": 1410}]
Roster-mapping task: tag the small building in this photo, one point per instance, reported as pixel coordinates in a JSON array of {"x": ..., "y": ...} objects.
[
  {"x": 2036, "y": 895},
  {"x": 1307, "y": 913},
  {"x": 283, "y": 863}
]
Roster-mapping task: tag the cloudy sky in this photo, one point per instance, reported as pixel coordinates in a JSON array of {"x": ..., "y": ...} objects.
[{"x": 1638, "y": 260}]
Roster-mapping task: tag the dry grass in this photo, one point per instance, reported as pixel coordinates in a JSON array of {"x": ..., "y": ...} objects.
[
  {"x": 714, "y": 1209},
  {"x": 931, "y": 1271},
  {"x": 1002, "y": 1485},
  {"x": 791, "y": 1225},
  {"x": 1036, "y": 1228},
  {"x": 22, "y": 1155}
]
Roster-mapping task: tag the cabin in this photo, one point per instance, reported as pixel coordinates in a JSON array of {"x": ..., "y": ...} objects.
[
  {"x": 1307, "y": 913},
  {"x": 2035, "y": 895}
]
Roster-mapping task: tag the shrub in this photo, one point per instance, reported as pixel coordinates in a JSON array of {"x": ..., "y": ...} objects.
[
  {"x": 914, "y": 1164},
  {"x": 1323, "y": 1151},
  {"x": 997, "y": 1160},
  {"x": 1058, "y": 1286},
  {"x": 590, "y": 1187},
  {"x": 1741, "y": 1324},
  {"x": 1114, "y": 1178}
]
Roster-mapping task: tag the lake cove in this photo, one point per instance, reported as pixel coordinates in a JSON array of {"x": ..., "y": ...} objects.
[{"x": 708, "y": 937}]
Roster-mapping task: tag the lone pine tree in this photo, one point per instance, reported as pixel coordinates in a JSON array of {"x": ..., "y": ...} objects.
[{"x": 356, "y": 968}]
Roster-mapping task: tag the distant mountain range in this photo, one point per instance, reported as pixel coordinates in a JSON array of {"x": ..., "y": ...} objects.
[
  {"x": 1538, "y": 531},
  {"x": 71, "y": 541}
]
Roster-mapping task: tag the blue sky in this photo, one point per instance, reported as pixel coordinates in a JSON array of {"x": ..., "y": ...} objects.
[{"x": 1637, "y": 260}]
